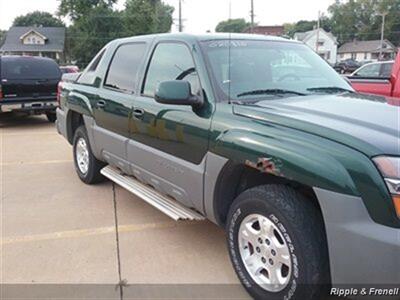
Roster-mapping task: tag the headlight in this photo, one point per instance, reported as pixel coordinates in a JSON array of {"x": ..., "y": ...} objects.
[{"x": 390, "y": 170}]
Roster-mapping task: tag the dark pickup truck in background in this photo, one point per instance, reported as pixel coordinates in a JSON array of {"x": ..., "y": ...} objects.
[{"x": 29, "y": 84}]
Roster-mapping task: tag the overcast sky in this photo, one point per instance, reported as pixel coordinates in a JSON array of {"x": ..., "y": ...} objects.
[{"x": 200, "y": 15}]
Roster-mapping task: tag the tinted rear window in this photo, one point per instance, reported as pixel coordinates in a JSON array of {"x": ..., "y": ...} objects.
[
  {"x": 123, "y": 71},
  {"x": 29, "y": 68}
]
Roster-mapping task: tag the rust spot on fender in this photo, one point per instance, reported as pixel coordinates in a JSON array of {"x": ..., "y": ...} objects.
[{"x": 266, "y": 165}]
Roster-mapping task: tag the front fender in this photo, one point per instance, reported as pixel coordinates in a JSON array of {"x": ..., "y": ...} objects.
[{"x": 309, "y": 160}]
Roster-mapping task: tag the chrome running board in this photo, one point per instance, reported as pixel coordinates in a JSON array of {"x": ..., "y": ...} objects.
[{"x": 168, "y": 206}]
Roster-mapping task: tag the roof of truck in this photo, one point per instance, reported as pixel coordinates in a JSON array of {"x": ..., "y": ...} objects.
[{"x": 208, "y": 37}]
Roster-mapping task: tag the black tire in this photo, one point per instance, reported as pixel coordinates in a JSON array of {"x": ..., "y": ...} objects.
[
  {"x": 92, "y": 175},
  {"x": 51, "y": 117},
  {"x": 304, "y": 236}
]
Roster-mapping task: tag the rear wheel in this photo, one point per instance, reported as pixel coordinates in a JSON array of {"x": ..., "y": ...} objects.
[
  {"x": 277, "y": 244},
  {"x": 51, "y": 117},
  {"x": 86, "y": 164}
]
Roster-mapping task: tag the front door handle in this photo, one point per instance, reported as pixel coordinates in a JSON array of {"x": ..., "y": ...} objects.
[
  {"x": 101, "y": 104},
  {"x": 138, "y": 112}
]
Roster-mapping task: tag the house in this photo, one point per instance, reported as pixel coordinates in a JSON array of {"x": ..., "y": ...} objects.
[
  {"x": 35, "y": 41},
  {"x": 367, "y": 50},
  {"x": 267, "y": 30},
  {"x": 322, "y": 42}
]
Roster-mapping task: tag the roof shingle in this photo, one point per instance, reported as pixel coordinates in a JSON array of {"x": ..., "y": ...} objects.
[
  {"x": 54, "y": 43},
  {"x": 365, "y": 46}
]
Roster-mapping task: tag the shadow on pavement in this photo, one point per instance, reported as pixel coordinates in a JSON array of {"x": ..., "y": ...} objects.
[{"x": 8, "y": 120}]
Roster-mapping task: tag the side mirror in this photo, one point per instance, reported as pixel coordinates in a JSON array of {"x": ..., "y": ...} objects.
[{"x": 176, "y": 92}]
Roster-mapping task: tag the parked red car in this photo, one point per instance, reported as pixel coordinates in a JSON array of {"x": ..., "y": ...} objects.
[
  {"x": 389, "y": 86},
  {"x": 69, "y": 69}
]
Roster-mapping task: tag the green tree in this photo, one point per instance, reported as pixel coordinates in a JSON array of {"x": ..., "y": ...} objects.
[
  {"x": 232, "y": 25},
  {"x": 74, "y": 9},
  {"x": 38, "y": 18},
  {"x": 392, "y": 24},
  {"x": 361, "y": 20},
  {"x": 304, "y": 25},
  {"x": 147, "y": 16},
  {"x": 91, "y": 33}
]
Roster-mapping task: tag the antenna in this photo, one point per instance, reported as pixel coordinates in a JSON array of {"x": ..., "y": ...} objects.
[{"x": 229, "y": 67}]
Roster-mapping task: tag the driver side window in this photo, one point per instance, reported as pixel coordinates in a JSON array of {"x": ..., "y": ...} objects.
[{"x": 171, "y": 61}]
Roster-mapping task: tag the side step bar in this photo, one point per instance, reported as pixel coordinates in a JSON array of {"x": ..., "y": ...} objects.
[{"x": 166, "y": 205}]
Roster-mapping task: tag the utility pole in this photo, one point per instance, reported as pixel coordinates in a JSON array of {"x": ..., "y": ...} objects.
[
  {"x": 230, "y": 9},
  {"x": 252, "y": 16},
  {"x": 180, "y": 16},
  {"x": 318, "y": 26},
  {"x": 383, "y": 14}
]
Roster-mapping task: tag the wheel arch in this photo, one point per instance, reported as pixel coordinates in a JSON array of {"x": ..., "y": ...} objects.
[
  {"x": 235, "y": 178},
  {"x": 74, "y": 120}
]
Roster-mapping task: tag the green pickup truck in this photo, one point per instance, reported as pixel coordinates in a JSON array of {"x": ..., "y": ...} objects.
[{"x": 260, "y": 136}]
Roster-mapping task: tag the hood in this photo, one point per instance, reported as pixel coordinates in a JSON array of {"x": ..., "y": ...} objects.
[{"x": 370, "y": 124}]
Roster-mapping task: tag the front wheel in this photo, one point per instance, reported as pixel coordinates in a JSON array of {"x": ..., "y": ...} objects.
[
  {"x": 87, "y": 166},
  {"x": 277, "y": 245}
]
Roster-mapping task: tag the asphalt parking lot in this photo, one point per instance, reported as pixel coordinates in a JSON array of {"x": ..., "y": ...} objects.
[{"x": 57, "y": 230}]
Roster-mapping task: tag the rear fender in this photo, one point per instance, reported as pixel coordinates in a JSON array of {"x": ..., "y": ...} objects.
[{"x": 79, "y": 103}]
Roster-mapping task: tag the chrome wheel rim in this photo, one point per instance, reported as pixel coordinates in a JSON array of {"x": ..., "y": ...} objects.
[
  {"x": 265, "y": 253},
  {"x": 82, "y": 155}
]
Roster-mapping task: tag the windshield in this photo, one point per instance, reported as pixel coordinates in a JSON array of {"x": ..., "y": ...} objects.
[{"x": 250, "y": 69}]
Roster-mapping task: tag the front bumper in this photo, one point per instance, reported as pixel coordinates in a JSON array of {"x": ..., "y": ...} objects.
[{"x": 360, "y": 250}]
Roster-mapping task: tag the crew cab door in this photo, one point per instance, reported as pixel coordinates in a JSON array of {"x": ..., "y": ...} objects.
[
  {"x": 114, "y": 103},
  {"x": 169, "y": 143}
]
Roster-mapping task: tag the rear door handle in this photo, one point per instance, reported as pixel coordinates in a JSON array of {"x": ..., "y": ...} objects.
[
  {"x": 138, "y": 112},
  {"x": 101, "y": 104}
]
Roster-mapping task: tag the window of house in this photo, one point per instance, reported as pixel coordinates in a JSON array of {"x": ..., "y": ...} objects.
[
  {"x": 321, "y": 43},
  {"x": 123, "y": 71},
  {"x": 171, "y": 61},
  {"x": 365, "y": 55}
]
